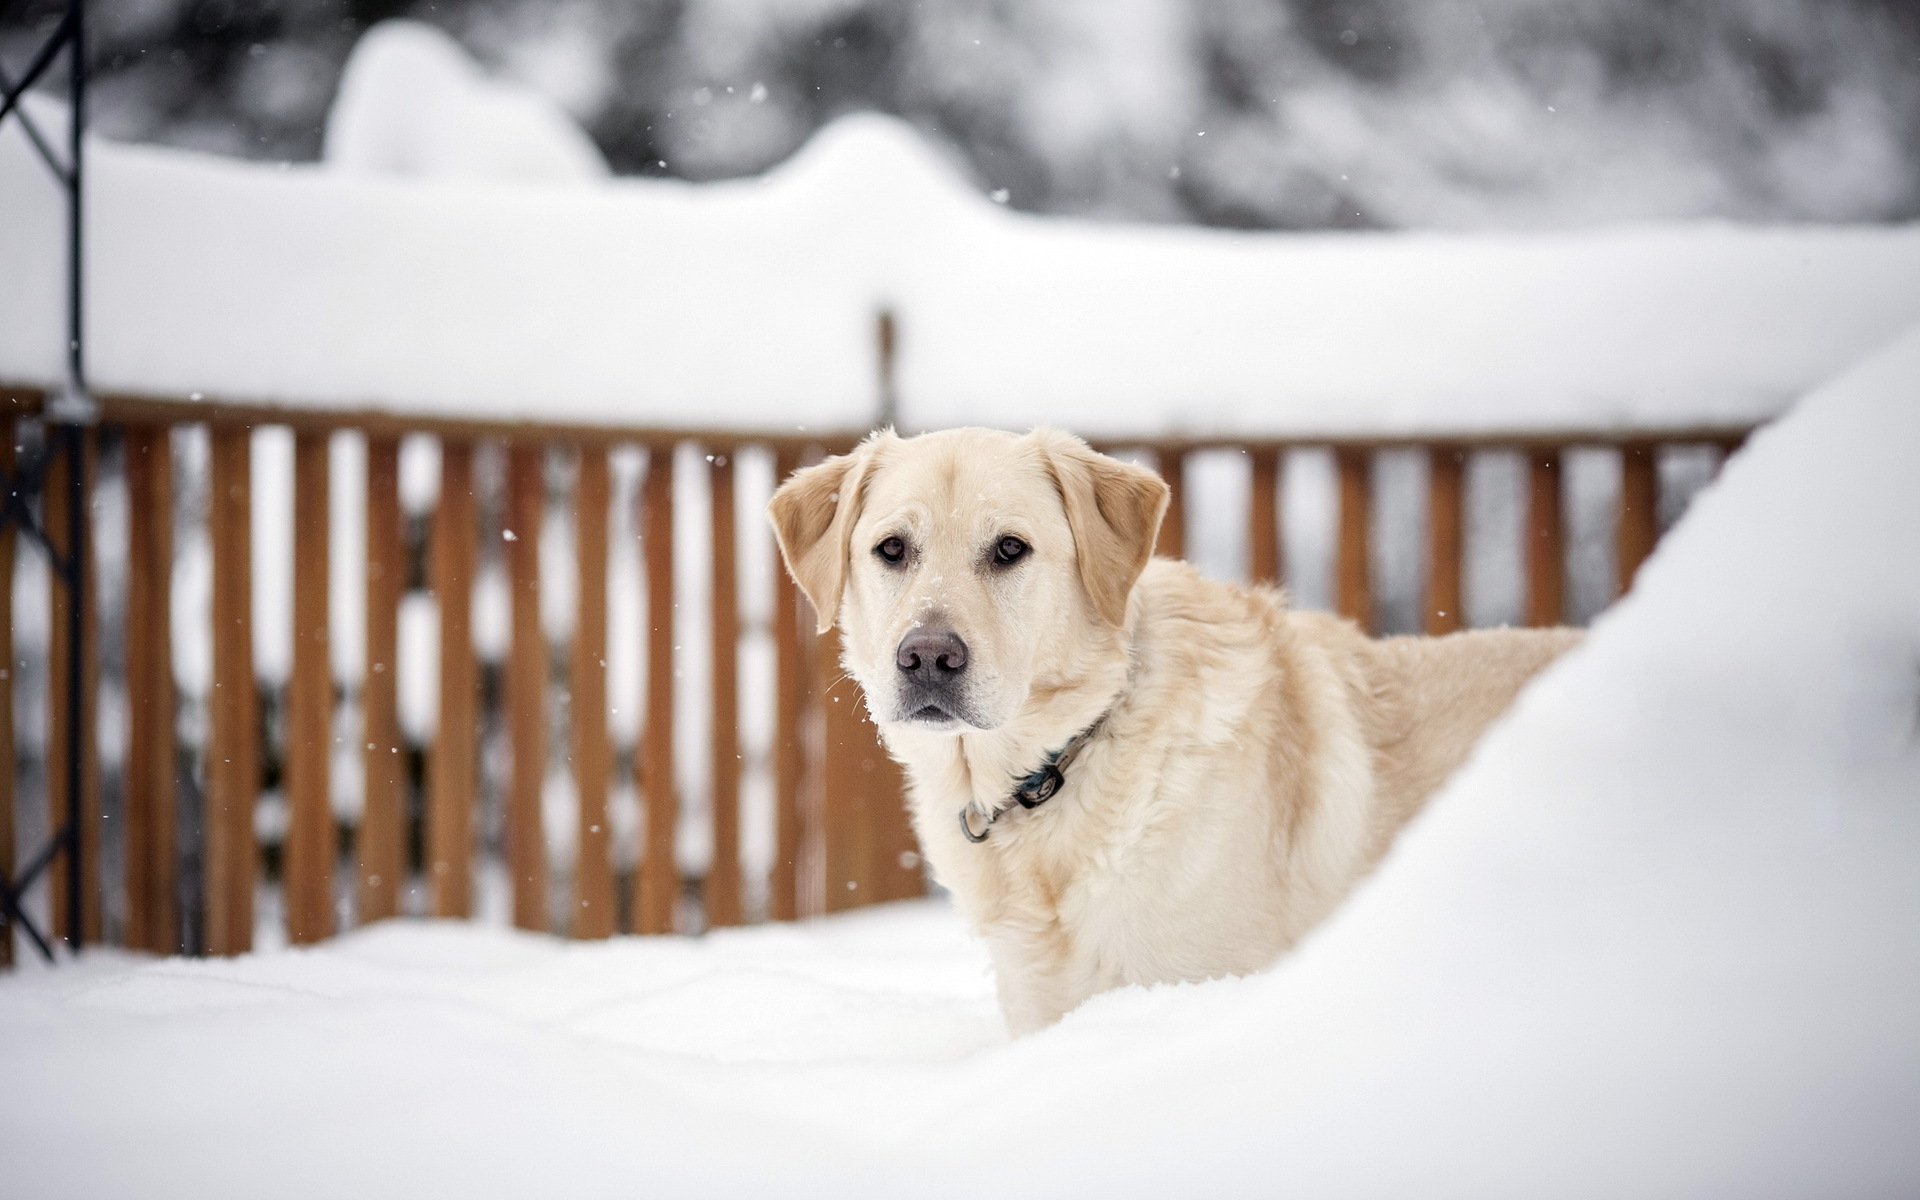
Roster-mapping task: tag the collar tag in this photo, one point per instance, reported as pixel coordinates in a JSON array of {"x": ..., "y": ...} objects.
[{"x": 1039, "y": 787}]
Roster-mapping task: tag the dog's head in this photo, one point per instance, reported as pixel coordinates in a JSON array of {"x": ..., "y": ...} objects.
[{"x": 970, "y": 568}]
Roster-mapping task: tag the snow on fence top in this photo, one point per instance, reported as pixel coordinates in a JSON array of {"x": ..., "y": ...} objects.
[{"x": 752, "y": 304}]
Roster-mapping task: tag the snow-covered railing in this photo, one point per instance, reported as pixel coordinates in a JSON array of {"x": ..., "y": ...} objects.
[{"x": 839, "y": 836}]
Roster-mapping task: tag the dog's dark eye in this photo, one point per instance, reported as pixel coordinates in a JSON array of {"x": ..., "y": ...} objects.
[
  {"x": 1009, "y": 550},
  {"x": 891, "y": 551}
]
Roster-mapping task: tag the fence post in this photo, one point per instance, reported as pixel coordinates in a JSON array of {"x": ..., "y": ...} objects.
[
  {"x": 308, "y": 874},
  {"x": 1173, "y": 528},
  {"x": 593, "y": 913},
  {"x": 147, "y": 825},
  {"x": 1639, "y": 511},
  {"x": 790, "y": 706},
  {"x": 1265, "y": 557},
  {"x": 1444, "y": 541},
  {"x": 723, "y": 876},
  {"x": 659, "y": 884},
  {"x": 1546, "y": 539},
  {"x": 233, "y": 740},
  {"x": 381, "y": 840},
  {"x": 451, "y": 765},
  {"x": 1353, "y": 570},
  {"x": 526, "y": 687}
]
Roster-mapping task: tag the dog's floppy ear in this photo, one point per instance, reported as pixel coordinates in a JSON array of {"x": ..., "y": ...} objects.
[
  {"x": 813, "y": 514},
  {"x": 1114, "y": 510}
]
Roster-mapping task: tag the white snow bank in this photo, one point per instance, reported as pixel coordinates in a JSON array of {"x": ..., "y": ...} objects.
[
  {"x": 1660, "y": 938},
  {"x": 412, "y": 102},
  {"x": 752, "y": 303}
]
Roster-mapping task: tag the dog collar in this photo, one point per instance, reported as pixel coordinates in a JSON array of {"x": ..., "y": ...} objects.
[{"x": 1036, "y": 788}]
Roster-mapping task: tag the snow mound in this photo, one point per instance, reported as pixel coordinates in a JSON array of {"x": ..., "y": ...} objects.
[
  {"x": 459, "y": 255},
  {"x": 1661, "y": 937},
  {"x": 412, "y": 102}
]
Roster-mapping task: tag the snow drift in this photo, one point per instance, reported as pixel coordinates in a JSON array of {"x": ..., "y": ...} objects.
[
  {"x": 1661, "y": 937},
  {"x": 753, "y": 303}
]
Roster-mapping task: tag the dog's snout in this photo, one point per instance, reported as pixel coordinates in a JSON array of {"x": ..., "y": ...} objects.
[{"x": 931, "y": 652}]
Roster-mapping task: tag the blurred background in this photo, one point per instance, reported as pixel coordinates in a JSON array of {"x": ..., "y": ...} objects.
[{"x": 1285, "y": 114}]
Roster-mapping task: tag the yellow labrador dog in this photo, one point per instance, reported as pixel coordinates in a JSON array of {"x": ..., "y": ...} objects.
[{"x": 1125, "y": 773}]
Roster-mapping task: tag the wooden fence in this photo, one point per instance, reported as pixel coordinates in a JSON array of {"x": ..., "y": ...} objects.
[{"x": 840, "y": 834}]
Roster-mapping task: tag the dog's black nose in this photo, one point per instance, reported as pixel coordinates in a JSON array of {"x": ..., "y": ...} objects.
[{"x": 931, "y": 652}]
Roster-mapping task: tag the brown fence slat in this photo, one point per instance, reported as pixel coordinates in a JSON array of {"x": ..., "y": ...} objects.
[
  {"x": 55, "y": 510},
  {"x": 594, "y": 902},
  {"x": 1265, "y": 563},
  {"x": 526, "y": 686},
  {"x": 1445, "y": 543},
  {"x": 308, "y": 877},
  {"x": 147, "y": 825},
  {"x": 451, "y": 765},
  {"x": 790, "y": 700},
  {"x": 1546, "y": 540},
  {"x": 723, "y": 877},
  {"x": 846, "y": 825},
  {"x": 233, "y": 739},
  {"x": 7, "y": 434},
  {"x": 1639, "y": 511},
  {"x": 1353, "y": 569},
  {"x": 381, "y": 840},
  {"x": 1173, "y": 529},
  {"x": 659, "y": 884}
]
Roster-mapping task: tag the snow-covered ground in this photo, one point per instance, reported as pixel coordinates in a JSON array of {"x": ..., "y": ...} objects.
[{"x": 1661, "y": 937}]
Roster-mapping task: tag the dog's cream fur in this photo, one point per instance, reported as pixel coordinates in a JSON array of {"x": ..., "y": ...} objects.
[{"x": 1253, "y": 764}]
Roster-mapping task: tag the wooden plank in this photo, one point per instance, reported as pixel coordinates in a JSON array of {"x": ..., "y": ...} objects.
[
  {"x": 8, "y": 431},
  {"x": 230, "y": 859},
  {"x": 1353, "y": 568},
  {"x": 308, "y": 877},
  {"x": 526, "y": 687},
  {"x": 147, "y": 827},
  {"x": 1639, "y": 524},
  {"x": 1173, "y": 528},
  {"x": 56, "y": 507},
  {"x": 659, "y": 885},
  {"x": 451, "y": 767},
  {"x": 388, "y": 422},
  {"x": 723, "y": 877},
  {"x": 1546, "y": 540},
  {"x": 1445, "y": 540},
  {"x": 1265, "y": 562},
  {"x": 380, "y": 844},
  {"x": 846, "y": 826},
  {"x": 790, "y": 704},
  {"x": 594, "y": 901}
]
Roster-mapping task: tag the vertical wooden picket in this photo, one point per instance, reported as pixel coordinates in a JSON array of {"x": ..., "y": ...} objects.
[
  {"x": 1639, "y": 511},
  {"x": 1445, "y": 542},
  {"x": 1265, "y": 560},
  {"x": 594, "y": 902},
  {"x": 1546, "y": 540},
  {"x": 659, "y": 883},
  {"x": 380, "y": 844},
  {"x": 1173, "y": 528},
  {"x": 790, "y": 701},
  {"x": 723, "y": 876},
  {"x": 147, "y": 827},
  {"x": 233, "y": 738},
  {"x": 526, "y": 687},
  {"x": 451, "y": 768},
  {"x": 1353, "y": 569},
  {"x": 308, "y": 877}
]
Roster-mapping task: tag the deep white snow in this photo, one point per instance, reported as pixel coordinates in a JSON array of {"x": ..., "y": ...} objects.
[
  {"x": 1661, "y": 937},
  {"x": 460, "y": 254}
]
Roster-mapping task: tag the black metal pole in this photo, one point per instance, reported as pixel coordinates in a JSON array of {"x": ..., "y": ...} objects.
[{"x": 76, "y": 471}]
